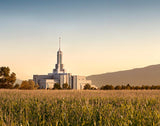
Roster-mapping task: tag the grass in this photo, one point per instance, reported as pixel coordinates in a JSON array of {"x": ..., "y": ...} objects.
[{"x": 77, "y": 108}]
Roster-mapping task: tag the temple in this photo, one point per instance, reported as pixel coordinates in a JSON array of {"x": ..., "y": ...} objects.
[{"x": 61, "y": 77}]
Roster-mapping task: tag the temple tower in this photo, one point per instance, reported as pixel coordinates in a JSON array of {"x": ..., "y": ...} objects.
[{"x": 59, "y": 66}]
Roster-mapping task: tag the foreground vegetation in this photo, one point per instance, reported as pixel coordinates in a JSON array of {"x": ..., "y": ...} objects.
[{"x": 76, "y": 108}]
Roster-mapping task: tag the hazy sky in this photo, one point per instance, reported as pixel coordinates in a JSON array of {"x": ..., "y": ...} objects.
[{"x": 98, "y": 36}]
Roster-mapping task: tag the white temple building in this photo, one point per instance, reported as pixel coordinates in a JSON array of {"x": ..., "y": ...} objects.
[{"x": 60, "y": 76}]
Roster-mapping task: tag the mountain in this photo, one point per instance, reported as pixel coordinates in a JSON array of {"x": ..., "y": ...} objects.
[{"x": 149, "y": 75}]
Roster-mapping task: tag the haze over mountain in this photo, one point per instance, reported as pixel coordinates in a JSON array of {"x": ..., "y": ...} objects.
[
  {"x": 18, "y": 81},
  {"x": 149, "y": 75}
]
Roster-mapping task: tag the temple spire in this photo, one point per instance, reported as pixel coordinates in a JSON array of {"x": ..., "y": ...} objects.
[
  {"x": 59, "y": 43},
  {"x": 59, "y": 66}
]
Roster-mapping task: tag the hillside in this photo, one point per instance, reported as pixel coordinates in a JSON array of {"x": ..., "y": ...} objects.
[{"x": 140, "y": 76}]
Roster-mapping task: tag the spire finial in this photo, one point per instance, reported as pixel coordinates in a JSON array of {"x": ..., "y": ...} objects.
[{"x": 59, "y": 43}]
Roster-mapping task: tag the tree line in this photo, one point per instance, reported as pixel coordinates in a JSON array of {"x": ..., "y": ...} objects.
[
  {"x": 129, "y": 87},
  {"x": 7, "y": 80}
]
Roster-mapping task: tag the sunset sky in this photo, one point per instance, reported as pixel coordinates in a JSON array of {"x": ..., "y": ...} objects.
[{"x": 98, "y": 36}]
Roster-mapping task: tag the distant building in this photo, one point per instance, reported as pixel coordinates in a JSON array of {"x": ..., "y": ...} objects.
[{"x": 60, "y": 76}]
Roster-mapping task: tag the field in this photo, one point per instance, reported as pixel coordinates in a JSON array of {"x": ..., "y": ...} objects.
[{"x": 79, "y": 108}]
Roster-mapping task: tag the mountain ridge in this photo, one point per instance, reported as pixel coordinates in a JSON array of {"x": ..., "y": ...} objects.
[{"x": 149, "y": 75}]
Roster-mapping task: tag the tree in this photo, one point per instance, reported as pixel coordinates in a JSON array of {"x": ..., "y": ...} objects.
[
  {"x": 6, "y": 79},
  {"x": 65, "y": 86},
  {"x": 93, "y": 88},
  {"x": 107, "y": 87},
  {"x": 87, "y": 86},
  {"x": 31, "y": 84},
  {"x": 24, "y": 85},
  {"x": 128, "y": 87},
  {"x": 143, "y": 87},
  {"x": 28, "y": 85},
  {"x": 57, "y": 86},
  {"x": 137, "y": 87},
  {"x": 118, "y": 87},
  {"x": 16, "y": 86},
  {"x": 36, "y": 86}
]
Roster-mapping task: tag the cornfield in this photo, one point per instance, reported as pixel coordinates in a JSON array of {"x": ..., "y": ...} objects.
[{"x": 79, "y": 108}]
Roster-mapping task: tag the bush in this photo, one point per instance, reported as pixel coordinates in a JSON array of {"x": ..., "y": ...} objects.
[
  {"x": 28, "y": 85},
  {"x": 107, "y": 87},
  {"x": 65, "y": 86},
  {"x": 87, "y": 87},
  {"x": 57, "y": 86},
  {"x": 128, "y": 87}
]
